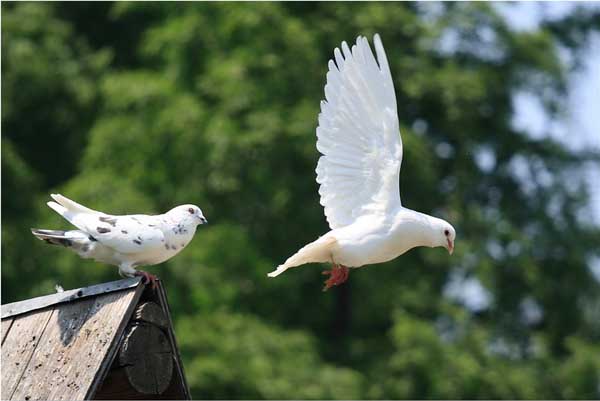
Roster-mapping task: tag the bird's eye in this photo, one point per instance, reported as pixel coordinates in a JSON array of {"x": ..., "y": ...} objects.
[
  {"x": 191, "y": 210},
  {"x": 446, "y": 232}
]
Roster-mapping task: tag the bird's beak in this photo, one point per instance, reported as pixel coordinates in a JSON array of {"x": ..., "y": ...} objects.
[
  {"x": 450, "y": 246},
  {"x": 203, "y": 220}
]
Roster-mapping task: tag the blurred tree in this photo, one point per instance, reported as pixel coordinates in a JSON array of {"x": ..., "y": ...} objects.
[{"x": 132, "y": 107}]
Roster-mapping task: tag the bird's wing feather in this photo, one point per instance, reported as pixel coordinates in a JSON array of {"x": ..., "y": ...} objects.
[
  {"x": 124, "y": 234},
  {"x": 128, "y": 234},
  {"x": 358, "y": 135},
  {"x": 71, "y": 205}
]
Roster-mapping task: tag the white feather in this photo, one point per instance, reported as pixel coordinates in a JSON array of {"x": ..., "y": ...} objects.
[
  {"x": 358, "y": 136},
  {"x": 359, "y": 171},
  {"x": 126, "y": 241}
]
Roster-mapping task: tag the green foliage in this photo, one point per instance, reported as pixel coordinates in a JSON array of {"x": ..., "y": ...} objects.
[
  {"x": 241, "y": 357},
  {"x": 136, "y": 107}
]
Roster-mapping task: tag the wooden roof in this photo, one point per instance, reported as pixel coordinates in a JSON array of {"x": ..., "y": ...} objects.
[{"x": 65, "y": 345}]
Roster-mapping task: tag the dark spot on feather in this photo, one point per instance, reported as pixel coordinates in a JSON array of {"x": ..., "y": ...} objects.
[
  {"x": 173, "y": 247},
  {"x": 58, "y": 241},
  {"x": 151, "y": 225},
  {"x": 137, "y": 241},
  {"x": 102, "y": 230},
  {"x": 124, "y": 231},
  {"x": 85, "y": 248},
  {"x": 92, "y": 239},
  {"x": 180, "y": 229},
  {"x": 167, "y": 246},
  {"x": 110, "y": 220},
  {"x": 136, "y": 220}
]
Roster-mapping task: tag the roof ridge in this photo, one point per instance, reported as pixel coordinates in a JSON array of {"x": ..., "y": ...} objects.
[{"x": 28, "y": 305}]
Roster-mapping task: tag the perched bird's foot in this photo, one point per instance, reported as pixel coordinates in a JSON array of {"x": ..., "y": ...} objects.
[
  {"x": 337, "y": 275},
  {"x": 147, "y": 278}
]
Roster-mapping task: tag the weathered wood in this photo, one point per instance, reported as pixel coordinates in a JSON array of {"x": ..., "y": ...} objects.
[
  {"x": 147, "y": 358},
  {"x": 150, "y": 312},
  {"x": 77, "y": 344},
  {"x": 29, "y": 305},
  {"x": 117, "y": 387},
  {"x": 164, "y": 303},
  {"x": 114, "y": 346},
  {"x": 6, "y": 325},
  {"x": 19, "y": 346},
  {"x": 73, "y": 347}
]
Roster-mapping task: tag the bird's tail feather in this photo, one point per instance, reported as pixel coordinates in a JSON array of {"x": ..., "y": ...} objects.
[
  {"x": 54, "y": 237},
  {"x": 57, "y": 208},
  {"x": 69, "y": 205},
  {"x": 318, "y": 251},
  {"x": 77, "y": 240}
]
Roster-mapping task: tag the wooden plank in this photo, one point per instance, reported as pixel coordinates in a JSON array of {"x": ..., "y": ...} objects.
[
  {"x": 162, "y": 298},
  {"x": 6, "y": 325},
  {"x": 29, "y": 305},
  {"x": 19, "y": 346},
  {"x": 151, "y": 312},
  {"x": 148, "y": 358},
  {"x": 117, "y": 387},
  {"x": 73, "y": 347},
  {"x": 106, "y": 364}
]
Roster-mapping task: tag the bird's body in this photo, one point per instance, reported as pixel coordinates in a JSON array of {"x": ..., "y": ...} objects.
[
  {"x": 369, "y": 240},
  {"x": 372, "y": 240},
  {"x": 359, "y": 171},
  {"x": 127, "y": 241}
]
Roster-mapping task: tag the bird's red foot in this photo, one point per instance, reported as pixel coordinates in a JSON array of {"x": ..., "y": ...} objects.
[
  {"x": 148, "y": 278},
  {"x": 337, "y": 275}
]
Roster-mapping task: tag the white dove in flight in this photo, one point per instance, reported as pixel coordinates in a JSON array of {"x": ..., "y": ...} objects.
[
  {"x": 359, "y": 171},
  {"x": 125, "y": 241}
]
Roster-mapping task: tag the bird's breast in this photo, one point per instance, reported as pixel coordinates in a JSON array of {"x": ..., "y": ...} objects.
[{"x": 368, "y": 246}]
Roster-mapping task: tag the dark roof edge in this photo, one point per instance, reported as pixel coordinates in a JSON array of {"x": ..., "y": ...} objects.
[
  {"x": 162, "y": 296},
  {"x": 116, "y": 341},
  {"x": 28, "y": 305}
]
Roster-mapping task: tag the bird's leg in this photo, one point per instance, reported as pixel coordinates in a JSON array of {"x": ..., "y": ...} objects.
[
  {"x": 127, "y": 270},
  {"x": 337, "y": 275},
  {"x": 147, "y": 278}
]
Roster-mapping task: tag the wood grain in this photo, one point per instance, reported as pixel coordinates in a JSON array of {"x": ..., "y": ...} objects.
[
  {"x": 6, "y": 325},
  {"x": 110, "y": 356},
  {"x": 151, "y": 312},
  {"x": 19, "y": 346},
  {"x": 29, "y": 305},
  {"x": 164, "y": 303},
  {"x": 73, "y": 347},
  {"x": 117, "y": 387},
  {"x": 147, "y": 357}
]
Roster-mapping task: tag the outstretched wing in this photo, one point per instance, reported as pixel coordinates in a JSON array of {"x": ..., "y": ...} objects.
[
  {"x": 124, "y": 234},
  {"x": 358, "y": 135}
]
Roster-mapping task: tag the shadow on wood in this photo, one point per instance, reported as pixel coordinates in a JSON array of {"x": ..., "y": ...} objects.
[{"x": 108, "y": 341}]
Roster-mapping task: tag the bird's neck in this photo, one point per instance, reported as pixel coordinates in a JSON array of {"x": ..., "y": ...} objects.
[{"x": 421, "y": 226}]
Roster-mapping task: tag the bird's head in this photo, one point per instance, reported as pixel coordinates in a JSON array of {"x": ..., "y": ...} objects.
[
  {"x": 188, "y": 214},
  {"x": 444, "y": 235}
]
